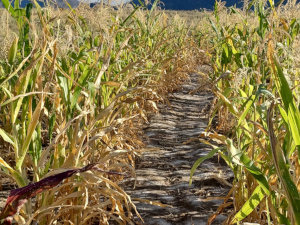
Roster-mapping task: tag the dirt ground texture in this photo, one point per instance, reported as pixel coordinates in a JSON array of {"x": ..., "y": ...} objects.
[{"x": 163, "y": 173}]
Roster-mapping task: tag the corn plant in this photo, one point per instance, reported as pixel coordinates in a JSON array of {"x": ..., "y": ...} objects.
[
  {"x": 262, "y": 146},
  {"x": 22, "y": 17},
  {"x": 72, "y": 109}
]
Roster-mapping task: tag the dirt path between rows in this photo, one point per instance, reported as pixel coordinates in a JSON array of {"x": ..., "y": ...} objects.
[{"x": 163, "y": 174}]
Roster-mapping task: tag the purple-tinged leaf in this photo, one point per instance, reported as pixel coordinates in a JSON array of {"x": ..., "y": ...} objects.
[{"x": 18, "y": 197}]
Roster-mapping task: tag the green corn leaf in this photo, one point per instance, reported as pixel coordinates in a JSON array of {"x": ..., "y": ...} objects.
[
  {"x": 288, "y": 102},
  {"x": 251, "y": 100},
  {"x": 16, "y": 5},
  {"x": 250, "y": 4},
  {"x": 214, "y": 27},
  {"x": 13, "y": 173},
  {"x": 281, "y": 218},
  {"x": 82, "y": 81},
  {"x": 288, "y": 146},
  {"x": 9, "y": 7},
  {"x": 63, "y": 83},
  {"x": 227, "y": 160},
  {"x": 28, "y": 12},
  {"x": 20, "y": 89},
  {"x": 242, "y": 159},
  {"x": 141, "y": 3},
  {"x": 8, "y": 138},
  {"x": 283, "y": 171},
  {"x": 200, "y": 160},
  {"x": 92, "y": 92},
  {"x": 256, "y": 197},
  {"x": 216, "y": 12},
  {"x": 248, "y": 105},
  {"x": 153, "y": 7},
  {"x": 225, "y": 49},
  {"x": 13, "y": 51},
  {"x": 292, "y": 116},
  {"x": 51, "y": 125},
  {"x": 31, "y": 128},
  {"x": 263, "y": 90}
]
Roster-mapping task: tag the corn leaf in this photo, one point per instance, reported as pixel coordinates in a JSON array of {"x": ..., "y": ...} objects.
[
  {"x": 228, "y": 103},
  {"x": 288, "y": 102},
  {"x": 9, "y": 7},
  {"x": 82, "y": 81},
  {"x": 248, "y": 105},
  {"x": 256, "y": 197},
  {"x": 13, "y": 51},
  {"x": 31, "y": 128},
  {"x": 283, "y": 171},
  {"x": 7, "y": 137},
  {"x": 200, "y": 160},
  {"x": 13, "y": 173},
  {"x": 242, "y": 159}
]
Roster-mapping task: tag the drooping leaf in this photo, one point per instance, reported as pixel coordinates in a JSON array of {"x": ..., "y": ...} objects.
[
  {"x": 200, "y": 160},
  {"x": 18, "y": 197}
]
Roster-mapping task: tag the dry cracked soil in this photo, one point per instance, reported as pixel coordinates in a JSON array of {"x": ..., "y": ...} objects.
[{"x": 163, "y": 173}]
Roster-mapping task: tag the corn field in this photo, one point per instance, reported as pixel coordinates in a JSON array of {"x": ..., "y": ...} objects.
[
  {"x": 74, "y": 94},
  {"x": 78, "y": 84}
]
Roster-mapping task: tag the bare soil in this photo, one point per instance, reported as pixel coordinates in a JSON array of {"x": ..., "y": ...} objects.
[{"x": 163, "y": 173}]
